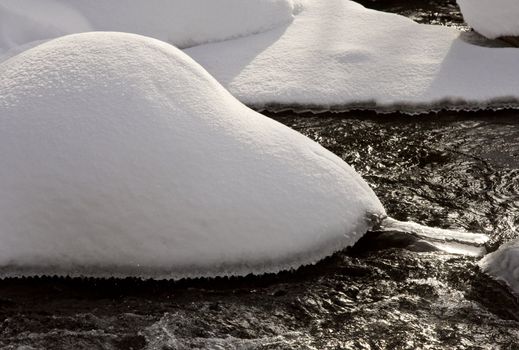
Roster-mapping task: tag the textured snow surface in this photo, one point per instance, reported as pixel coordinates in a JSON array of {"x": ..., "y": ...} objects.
[
  {"x": 338, "y": 53},
  {"x": 121, "y": 156},
  {"x": 180, "y": 22},
  {"x": 492, "y": 18},
  {"x": 306, "y": 53},
  {"x": 503, "y": 265}
]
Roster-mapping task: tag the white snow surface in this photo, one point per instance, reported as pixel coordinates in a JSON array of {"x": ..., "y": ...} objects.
[
  {"x": 338, "y": 53},
  {"x": 503, "y": 265},
  {"x": 306, "y": 53},
  {"x": 182, "y": 23},
  {"x": 492, "y": 18},
  {"x": 121, "y": 156}
]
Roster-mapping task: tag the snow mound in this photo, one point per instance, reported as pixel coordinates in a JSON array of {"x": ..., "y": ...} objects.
[
  {"x": 492, "y": 18},
  {"x": 25, "y": 21},
  {"x": 337, "y": 54},
  {"x": 179, "y": 22},
  {"x": 123, "y": 157},
  {"x": 503, "y": 265},
  {"x": 305, "y": 54}
]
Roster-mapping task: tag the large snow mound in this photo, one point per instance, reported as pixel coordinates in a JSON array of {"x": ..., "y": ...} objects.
[
  {"x": 179, "y": 22},
  {"x": 336, "y": 53},
  {"x": 123, "y": 157},
  {"x": 503, "y": 265},
  {"x": 333, "y": 54},
  {"x": 492, "y": 18}
]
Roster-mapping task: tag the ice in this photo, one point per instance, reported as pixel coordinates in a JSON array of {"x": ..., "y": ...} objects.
[
  {"x": 503, "y": 265},
  {"x": 492, "y": 18},
  {"x": 121, "y": 156},
  {"x": 450, "y": 241}
]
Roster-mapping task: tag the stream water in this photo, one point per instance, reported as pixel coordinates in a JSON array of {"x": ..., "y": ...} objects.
[{"x": 451, "y": 170}]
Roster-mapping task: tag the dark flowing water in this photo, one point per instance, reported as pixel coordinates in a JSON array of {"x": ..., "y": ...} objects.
[
  {"x": 452, "y": 170},
  {"x": 449, "y": 170}
]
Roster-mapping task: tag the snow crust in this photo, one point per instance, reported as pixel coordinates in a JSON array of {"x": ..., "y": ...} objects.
[
  {"x": 503, "y": 265},
  {"x": 492, "y": 18},
  {"x": 121, "y": 156},
  {"x": 179, "y": 22}
]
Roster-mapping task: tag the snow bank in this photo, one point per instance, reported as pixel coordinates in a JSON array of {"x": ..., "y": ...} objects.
[
  {"x": 122, "y": 157},
  {"x": 339, "y": 54},
  {"x": 503, "y": 265},
  {"x": 333, "y": 54},
  {"x": 179, "y": 22},
  {"x": 25, "y": 21},
  {"x": 492, "y": 18}
]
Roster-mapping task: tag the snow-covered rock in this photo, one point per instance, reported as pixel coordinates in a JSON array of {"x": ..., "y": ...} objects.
[
  {"x": 338, "y": 54},
  {"x": 123, "y": 157},
  {"x": 317, "y": 54},
  {"x": 180, "y": 22},
  {"x": 503, "y": 265},
  {"x": 492, "y": 18}
]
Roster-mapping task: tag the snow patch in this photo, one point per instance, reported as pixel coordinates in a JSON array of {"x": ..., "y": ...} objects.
[
  {"x": 123, "y": 157},
  {"x": 25, "y": 21},
  {"x": 339, "y": 55},
  {"x": 492, "y": 18},
  {"x": 179, "y": 22},
  {"x": 305, "y": 54}
]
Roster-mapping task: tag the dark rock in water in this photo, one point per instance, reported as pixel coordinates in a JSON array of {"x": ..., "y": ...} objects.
[
  {"x": 512, "y": 40},
  {"x": 474, "y": 38},
  {"x": 373, "y": 241}
]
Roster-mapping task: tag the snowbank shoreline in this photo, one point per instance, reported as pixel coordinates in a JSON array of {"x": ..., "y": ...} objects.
[
  {"x": 405, "y": 109},
  {"x": 321, "y": 55},
  {"x": 114, "y": 166}
]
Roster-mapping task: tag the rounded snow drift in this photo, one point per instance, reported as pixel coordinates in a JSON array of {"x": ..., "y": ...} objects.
[
  {"x": 179, "y": 22},
  {"x": 121, "y": 156},
  {"x": 492, "y": 18}
]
